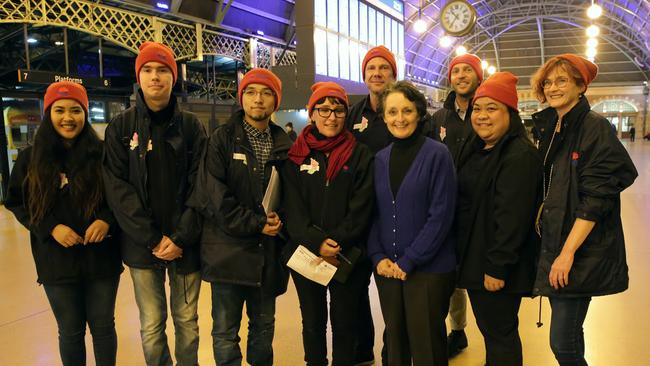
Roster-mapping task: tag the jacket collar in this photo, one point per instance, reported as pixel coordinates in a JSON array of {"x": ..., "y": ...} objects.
[
  {"x": 571, "y": 120},
  {"x": 141, "y": 106},
  {"x": 281, "y": 141}
]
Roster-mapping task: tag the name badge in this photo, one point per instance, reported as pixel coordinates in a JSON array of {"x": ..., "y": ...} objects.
[
  {"x": 310, "y": 168},
  {"x": 362, "y": 125},
  {"x": 240, "y": 156}
]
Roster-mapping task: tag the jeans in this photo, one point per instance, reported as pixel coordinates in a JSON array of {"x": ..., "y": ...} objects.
[
  {"x": 74, "y": 305},
  {"x": 150, "y": 295},
  {"x": 227, "y": 306},
  {"x": 567, "y": 336}
]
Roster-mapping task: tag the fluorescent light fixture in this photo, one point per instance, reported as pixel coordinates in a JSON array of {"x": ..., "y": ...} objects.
[
  {"x": 592, "y": 43},
  {"x": 260, "y": 32},
  {"x": 96, "y": 110},
  {"x": 591, "y": 52},
  {"x": 446, "y": 42},
  {"x": 32, "y": 40},
  {"x": 593, "y": 31},
  {"x": 58, "y": 43},
  {"x": 420, "y": 26},
  {"x": 594, "y": 11},
  {"x": 163, "y": 6}
]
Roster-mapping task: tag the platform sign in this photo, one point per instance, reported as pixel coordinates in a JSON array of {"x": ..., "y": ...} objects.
[{"x": 45, "y": 77}]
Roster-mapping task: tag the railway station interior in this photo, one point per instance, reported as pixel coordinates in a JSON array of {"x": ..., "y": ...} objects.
[{"x": 95, "y": 43}]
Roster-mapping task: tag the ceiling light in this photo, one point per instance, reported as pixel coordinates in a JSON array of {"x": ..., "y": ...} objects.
[
  {"x": 484, "y": 64},
  {"x": 461, "y": 50},
  {"x": 592, "y": 43},
  {"x": 58, "y": 43},
  {"x": 491, "y": 70},
  {"x": 163, "y": 6},
  {"x": 32, "y": 40},
  {"x": 591, "y": 52},
  {"x": 593, "y": 31},
  {"x": 261, "y": 33},
  {"x": 420, "y": 26},
  {"x": 446, "y": 41},
  {"x": 594, "y": 11}
]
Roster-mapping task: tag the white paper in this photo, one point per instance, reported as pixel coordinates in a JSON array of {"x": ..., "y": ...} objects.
[
  {"x": 310, "y": 266},
  {"x": 271, "y": 200}
]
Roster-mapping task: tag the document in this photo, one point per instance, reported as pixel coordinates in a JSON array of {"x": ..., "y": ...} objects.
[
  {"x": 271, "y": 200},
  {"x": 311, "y": 266}
]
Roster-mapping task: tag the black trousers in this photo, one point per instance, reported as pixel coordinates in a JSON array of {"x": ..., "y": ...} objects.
[
  {"x": 344, "y": 314},
  {"x": 497, "y": 318},
  {"x": 414, "y": 313}
]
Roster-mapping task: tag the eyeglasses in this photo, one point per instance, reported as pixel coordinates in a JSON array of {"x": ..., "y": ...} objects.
[
  {"x": 252, "y": 93},
  {"x": 559, "y": 82},
  {"x": 326, "y": 112}
]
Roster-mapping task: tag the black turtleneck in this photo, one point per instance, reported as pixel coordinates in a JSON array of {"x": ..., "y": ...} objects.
[
  {"x": 402, "y": 155},
  {"x": 162, "y": 178}
]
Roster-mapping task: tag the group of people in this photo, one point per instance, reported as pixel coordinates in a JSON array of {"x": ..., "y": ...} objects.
[{"x": 436, "y": 207}]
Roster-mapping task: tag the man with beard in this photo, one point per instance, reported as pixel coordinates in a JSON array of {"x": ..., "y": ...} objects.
[
  {"x": 240, "y": 247},
  {"x": 452, "y": 126},
  {"x": 366, "y": 123}
]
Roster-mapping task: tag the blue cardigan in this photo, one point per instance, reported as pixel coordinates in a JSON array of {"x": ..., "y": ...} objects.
[{"x": 413, "y": 229}]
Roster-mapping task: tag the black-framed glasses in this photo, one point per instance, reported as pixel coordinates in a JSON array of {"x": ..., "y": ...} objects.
[
  {"x": 265, "y": 93},
  {"x": 327, "y": 112},
  {"x": 559, "y": 82}
]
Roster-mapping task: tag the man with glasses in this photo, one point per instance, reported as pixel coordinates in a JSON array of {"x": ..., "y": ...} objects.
[
  {"x": 379, "y": 70},
  {"x": 452, "y": 126},
  {"x": 240, "y": 247}
]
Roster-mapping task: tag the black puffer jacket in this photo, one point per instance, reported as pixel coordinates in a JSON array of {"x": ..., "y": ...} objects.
[
  {"x": 229, "y": 197},
  {"x": 446, "y": 126},
  {"x": 125, "y": 176},
  {"x": 496, "y": 234},
  {"x": 590, "y": 169},
  {"x": 56, "y": 264}
]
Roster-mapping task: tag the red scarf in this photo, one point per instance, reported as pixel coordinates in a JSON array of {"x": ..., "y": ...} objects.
[{"x": 339, "y": 148}]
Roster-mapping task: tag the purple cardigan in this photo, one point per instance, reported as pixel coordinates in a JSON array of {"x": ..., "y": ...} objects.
[{"x": 413, "y": 229}]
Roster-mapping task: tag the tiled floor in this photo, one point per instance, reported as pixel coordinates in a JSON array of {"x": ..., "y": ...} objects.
[{"x": 617, "y": 327}]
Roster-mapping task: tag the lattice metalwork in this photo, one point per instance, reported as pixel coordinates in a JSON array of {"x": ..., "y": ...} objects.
[
  {"x": 130, "y": 29},
  {"x": 263, "y": 56},
  {"x": 289, "y": 57},
  {"x": 218, "y": 44},
  {"x": 219, "y": 88},
  {"x": 180, "y": 37}
]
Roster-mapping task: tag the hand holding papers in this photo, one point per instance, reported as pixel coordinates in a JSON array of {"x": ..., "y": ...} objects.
[{"x": 311, "y": 266}]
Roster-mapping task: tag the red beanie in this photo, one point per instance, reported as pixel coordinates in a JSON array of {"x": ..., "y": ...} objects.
[
  {"x": 587, "y": 69},
  {"x": 501, "y": 86},
  {"x": 470, "y": 59},
  {"x": 379, "y": 51},
  {"x": 264, "y": 77},
  {"x": 65, "y": 90},
  {"x": 155, "y": 52},
  {"x": 326, "y": 89}
]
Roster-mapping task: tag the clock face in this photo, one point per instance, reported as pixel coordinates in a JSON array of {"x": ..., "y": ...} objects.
[{"x": 458, "y": 17}]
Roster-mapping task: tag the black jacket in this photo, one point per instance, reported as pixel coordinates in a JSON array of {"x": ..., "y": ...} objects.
[
  {"x": 125, "y": 176},
  {"x": 368, "y": 126},
  {"x": 229, "y": 197},
  {"x": 590, "y": 170},
  {"x": 496, "y": 234},
  {"x": 340, "y": 209},
  {"x": 56, "y": 264},
  {"x": 446, "y": 126}
]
